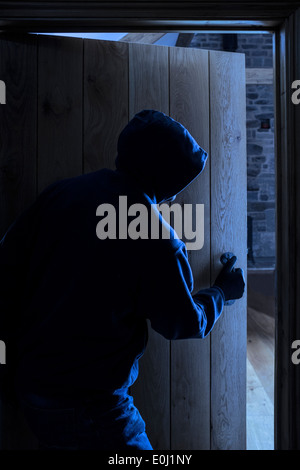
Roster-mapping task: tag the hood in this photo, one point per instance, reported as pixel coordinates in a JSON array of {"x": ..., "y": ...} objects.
[{"x": 159, "y": 153}]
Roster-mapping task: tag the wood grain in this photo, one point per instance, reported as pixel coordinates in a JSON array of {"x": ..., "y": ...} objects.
[
  {"x": 178, "y": 383},
  {"x": 228, "y": 233},
  {"x": 148, "y": 88},
  {"x": 260, "y": 348},
  {"x": 18, "y": 69},
  {"x": 190, "y": 359},
  {"x": 260, "y": 380},
  {"x": 260, "y": 413},
  {"x": 105, "y": 101},
  {"x": 148, "y": 78},
  {"x": 60, "y": 63},
  {"x": 142, "y": 38},
  {"x": 18, "y": 140}
]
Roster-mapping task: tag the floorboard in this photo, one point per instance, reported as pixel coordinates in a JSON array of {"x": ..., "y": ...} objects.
[{"x": 260, "y": 381}]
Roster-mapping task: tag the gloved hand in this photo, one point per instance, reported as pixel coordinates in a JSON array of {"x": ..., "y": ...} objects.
[{"x": 231, "y": 281}]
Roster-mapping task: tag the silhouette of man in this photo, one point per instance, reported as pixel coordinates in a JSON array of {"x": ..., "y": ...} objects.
[{"x": 75, "y": 306}]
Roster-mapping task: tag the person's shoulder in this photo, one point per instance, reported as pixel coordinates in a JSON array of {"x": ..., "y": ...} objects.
[{"x": 165, "y": 248}]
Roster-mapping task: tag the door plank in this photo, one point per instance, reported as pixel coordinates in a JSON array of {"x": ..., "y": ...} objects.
[
  {"x": 59, "y": 109},
  {"x": 149, "y": 88},
  {"x": 18, "y": 65},
  {"x": 228, "y": 233},
  {"x": 148, "y": 78},
  {"x": 142, "y": 38},
  {"x": 105, "y": 101},
  {"x": 190, "y": 365},
  {"x": 18, "y": 120}
]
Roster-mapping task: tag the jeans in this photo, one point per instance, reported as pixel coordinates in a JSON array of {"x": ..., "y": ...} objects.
[{"x": 83, "y": 425}]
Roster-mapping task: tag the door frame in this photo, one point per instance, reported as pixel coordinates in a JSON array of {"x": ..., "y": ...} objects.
[{"x": 283, "y": 19}]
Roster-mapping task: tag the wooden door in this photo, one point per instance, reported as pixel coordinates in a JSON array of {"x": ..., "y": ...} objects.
[{"x": 67, "y": 101}]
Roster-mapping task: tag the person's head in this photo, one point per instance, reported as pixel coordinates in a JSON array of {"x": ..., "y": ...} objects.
[{"x": 159, "y": 153}]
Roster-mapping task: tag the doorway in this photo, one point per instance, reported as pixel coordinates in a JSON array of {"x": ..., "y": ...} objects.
[
  {"x": 283, "y": 19},
  {"x": 88, "y": 160}
]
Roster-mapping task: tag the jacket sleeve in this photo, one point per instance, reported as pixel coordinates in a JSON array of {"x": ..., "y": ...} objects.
[{"x": 168, "y": 301}]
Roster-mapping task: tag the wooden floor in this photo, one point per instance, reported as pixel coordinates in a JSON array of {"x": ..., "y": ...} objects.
[{"x": 260, "y": 381}]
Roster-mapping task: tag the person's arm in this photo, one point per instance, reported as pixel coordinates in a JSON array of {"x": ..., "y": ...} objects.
[{"x": 167, "y": 299}]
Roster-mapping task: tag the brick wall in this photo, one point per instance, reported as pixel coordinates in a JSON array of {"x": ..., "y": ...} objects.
[{"x": 258, "y": 50}]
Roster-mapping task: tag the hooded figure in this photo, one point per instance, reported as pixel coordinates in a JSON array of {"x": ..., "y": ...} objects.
[
  {"x": 75, "y": 303},
  {"x": 160, "y": 153}
]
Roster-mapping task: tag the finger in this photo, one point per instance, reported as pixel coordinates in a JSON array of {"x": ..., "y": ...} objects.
[{"x": 229, "y": 265}]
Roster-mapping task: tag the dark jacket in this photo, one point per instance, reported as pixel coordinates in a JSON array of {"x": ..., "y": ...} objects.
[{"x": 73, "y": 306}]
